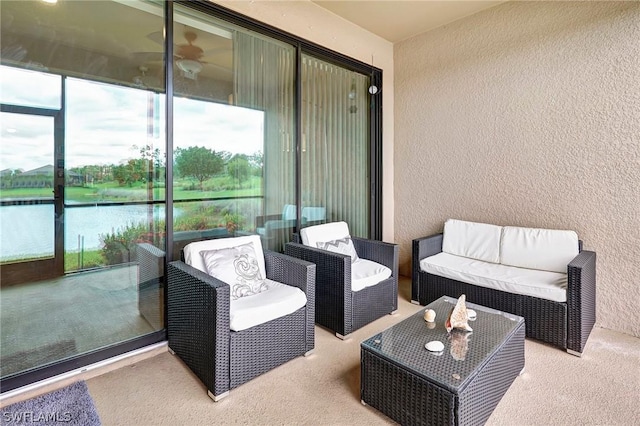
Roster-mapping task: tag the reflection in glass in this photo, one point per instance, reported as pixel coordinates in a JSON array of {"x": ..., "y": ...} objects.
[
  {"x": 43, "y": 90},
  {"x": 233, "y": 129},
  {"x": 26, "y": 176},
  {"x": 106, "y": 154}
]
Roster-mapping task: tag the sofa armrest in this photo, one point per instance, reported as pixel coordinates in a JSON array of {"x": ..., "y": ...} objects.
[
  {"x": 198, "y": 323},
  {"x": 420, "y": 249},
  {"x": 386, "y": 254},
  {"x": 581, "y": 299},
  {"x": 297, "y": 273}
]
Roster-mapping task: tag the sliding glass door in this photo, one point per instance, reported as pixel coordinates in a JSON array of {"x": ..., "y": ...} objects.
[
  {"x": 131, "y": 128},
  {"x": 234, "y": 138},
  {"x": 82, "y": 181}
]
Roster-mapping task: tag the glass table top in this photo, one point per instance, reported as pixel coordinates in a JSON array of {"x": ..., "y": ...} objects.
[{"x": 464, "y": 352}]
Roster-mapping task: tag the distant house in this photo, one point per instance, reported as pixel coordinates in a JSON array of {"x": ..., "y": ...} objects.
[
  {"x": 5, "y": 178},
  {"x": 42, "y": 177}
]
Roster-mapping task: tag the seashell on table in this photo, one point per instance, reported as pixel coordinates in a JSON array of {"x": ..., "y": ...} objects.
[{"x": 429, "y": 315}]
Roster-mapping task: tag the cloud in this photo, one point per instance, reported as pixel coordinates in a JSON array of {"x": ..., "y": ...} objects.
[{"x": 104, "y": 122}]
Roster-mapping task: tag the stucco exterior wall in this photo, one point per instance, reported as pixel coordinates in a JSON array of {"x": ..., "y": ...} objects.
[
  {"x": 528, "y": 114},
  {"x": 313, "y": 23}
]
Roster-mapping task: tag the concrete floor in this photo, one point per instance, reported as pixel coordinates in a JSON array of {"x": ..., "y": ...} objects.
[{"x": 46, "y": 321}]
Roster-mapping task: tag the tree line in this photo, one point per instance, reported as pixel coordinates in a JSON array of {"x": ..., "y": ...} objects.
[{"x": 195, "y": 162}]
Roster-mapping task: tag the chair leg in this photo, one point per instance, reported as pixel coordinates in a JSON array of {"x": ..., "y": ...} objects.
[
  {"x": 341, "y": 337},
  {"x": 217, "y": 398},
  {"x": 309, "y": 352},
  {"x": 574, "y": 353},
  {"x": 170, "y": 351},
  {"x": 393, "y": 312},
  {"x": 415, "y": 302}
]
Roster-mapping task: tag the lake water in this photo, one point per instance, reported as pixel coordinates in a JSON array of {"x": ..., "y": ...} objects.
[{"x": 28, "y": 230}]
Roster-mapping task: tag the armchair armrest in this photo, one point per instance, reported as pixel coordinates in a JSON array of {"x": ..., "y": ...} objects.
[
  {"x": 330, "y": 267},
  {"x": 581, "y": 299},
  {"x": 151, "y": 261},
  {"x": 378, "y": 251},
  {"x": 291, "y": 271},
  {"x": 151, "y": 282},
  {"x": 261, "y": 220},
  {"x": 297, "y": 273},
  {"x": 198, "y": 323}
]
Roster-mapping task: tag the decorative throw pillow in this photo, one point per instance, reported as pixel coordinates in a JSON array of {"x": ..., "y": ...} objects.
[
  {"x": 238, "y": 267},
  {"x": 342, "y": 246}
]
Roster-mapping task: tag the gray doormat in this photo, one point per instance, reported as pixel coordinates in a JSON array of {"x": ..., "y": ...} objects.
[{"x": 67, "y": 406}]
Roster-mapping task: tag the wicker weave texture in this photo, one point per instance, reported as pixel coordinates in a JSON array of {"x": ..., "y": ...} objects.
[
  {"x": 581, "y": 299},
  {"x": 566, "y": 325},
  {"x": 198, "y": 324},
  {"x": 402, "y": 395},
  {"x": 151, "y": 284},
  {"x": 261, "y": 348},
  {"x": 457, "y": 387}
]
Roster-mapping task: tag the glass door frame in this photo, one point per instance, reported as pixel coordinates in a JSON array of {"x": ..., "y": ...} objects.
[
  {"x": 306, "y": 47},
  {"x": 40, "y": 269}
]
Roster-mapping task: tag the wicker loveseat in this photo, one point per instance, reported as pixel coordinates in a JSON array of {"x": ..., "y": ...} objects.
[{"x": 542, "y": 275}]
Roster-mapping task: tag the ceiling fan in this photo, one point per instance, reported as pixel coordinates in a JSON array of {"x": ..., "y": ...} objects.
[{"x": 188, "y": 56}]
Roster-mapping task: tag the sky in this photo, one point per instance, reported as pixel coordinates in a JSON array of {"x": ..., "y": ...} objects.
[{"x": 105, "y": 122}]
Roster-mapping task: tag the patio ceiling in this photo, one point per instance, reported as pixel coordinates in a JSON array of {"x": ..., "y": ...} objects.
[{"x": 397, "y": 20}]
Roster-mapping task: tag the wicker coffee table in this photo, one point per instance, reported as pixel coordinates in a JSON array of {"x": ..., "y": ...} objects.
[{"x": 458, "y": 386}]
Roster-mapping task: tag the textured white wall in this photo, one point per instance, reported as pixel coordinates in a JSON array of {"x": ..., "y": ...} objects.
[
  {"x": 311, "y": 22},
  {"x": 528, "y": 114}
]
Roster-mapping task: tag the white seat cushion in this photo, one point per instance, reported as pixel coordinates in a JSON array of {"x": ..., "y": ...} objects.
[
  {"x": 279, "y": 300},
  {"x": 529, "y": 282},
  {"x": 546, "y": 249},
  {"x": 193, "y": 257},
  {"x": 312, "y": 235},
  {"x": 366, "y": 273},
  {"x": 470, "y": 239}
]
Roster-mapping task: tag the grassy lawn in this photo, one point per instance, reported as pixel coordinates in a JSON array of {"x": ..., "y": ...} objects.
[{"x": 217, "y": 187}]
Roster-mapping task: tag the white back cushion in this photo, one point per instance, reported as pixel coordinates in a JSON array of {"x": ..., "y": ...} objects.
[
  {"x": 543, "y": 249},
  {"x": 312, "y": 235},
  {"x": 470, "y": 239},
  {"x": 192, "y": 251}
]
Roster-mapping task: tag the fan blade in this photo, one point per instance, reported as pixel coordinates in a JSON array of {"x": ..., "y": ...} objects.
[{"x": 156, "y": 37}]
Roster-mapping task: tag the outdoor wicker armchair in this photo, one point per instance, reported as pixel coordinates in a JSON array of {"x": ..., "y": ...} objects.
[
  {"x": 350, "y": 293},
  {"x": 201, "y": 314}
]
